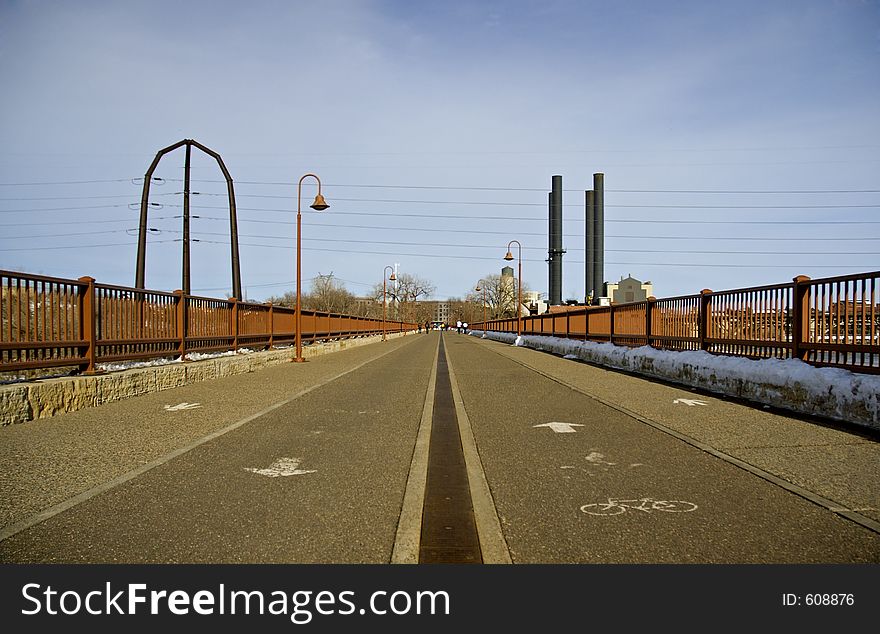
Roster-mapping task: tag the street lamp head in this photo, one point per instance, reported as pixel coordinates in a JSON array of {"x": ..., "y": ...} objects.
[
  {"x": 478, "y": 289},
  {"x": 392, "y": 278},
  {"x": 509, "y": 256},
  {"x": 320, "y": 204}
]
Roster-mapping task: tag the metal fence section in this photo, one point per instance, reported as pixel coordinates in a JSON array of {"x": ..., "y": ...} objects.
[
  {"x": 40, "y": 321},
  {"x": 833, "y": 322},
  {"x": 841, "y": 320},
  {"x": 48, "y": 322}
]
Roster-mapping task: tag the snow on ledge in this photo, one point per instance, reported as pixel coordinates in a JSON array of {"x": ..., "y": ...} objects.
[{"x": 785, "y": 383}]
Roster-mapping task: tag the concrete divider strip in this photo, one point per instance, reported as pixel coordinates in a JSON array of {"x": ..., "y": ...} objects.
[
  {"x": 409, "y": 527},
  {"x": 492, "y": 542}
]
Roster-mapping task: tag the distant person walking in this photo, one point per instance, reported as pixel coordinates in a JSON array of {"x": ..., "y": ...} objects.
[
  {"x": 458, "y": 326},
  {"x": 464, "y": 326},
  {"x": 427, "y": 327}
]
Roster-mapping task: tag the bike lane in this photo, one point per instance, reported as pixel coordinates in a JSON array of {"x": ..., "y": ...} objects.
[
  {"x": 318, "y": 479},
  {"x": 576, "y": 481}
]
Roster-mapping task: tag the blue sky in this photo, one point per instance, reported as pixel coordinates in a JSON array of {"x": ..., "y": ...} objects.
[{"x": 406, "y": 109}]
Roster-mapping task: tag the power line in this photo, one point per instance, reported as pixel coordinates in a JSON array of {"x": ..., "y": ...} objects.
[
  {"x": 64, "y": 235},
  {"x": 113, "y": 180},
  {"x": 462, "y": 257},
  {"x": 546, "y": 189},
  {"x": 81, "y": 222},
  {"x": 544, "y": 220},
  {"x": 458, "y": 188},
  {"x": 85, "y": 246},
  {"x": 487, "y": 246},
  {"x": 68, "y": 197},
  {"x": 572, "y": 236},
  {"x": 521, "y": 204},
  {"x": 27, "y": 211},
  {"x": 473, "y": 217},
  {"x": 444, "y": 230},
  {"x": 527, "y": 233}
]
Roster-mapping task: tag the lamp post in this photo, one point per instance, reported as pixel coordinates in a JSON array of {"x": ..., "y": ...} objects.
[
  {"x": 384, "y": 300},
  {"x": 478, "y": 289},
  {"x": 319, "y": 205},
  {"x": 509, "y": 257}
]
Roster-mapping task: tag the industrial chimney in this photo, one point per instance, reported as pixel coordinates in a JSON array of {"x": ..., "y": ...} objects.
[
  {"x": 598, "y": 234},
  {"x": 594, "y": 243},
  {"x": 555, "y": 251}
]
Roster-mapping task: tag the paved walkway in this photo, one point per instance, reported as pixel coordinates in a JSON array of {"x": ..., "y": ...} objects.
[{"x": 324, "y": 462}]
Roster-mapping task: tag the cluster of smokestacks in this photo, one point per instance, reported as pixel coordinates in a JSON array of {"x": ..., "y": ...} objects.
[{"x": 595, "y": 240}]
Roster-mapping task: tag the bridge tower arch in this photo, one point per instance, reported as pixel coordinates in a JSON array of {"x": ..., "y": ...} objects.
[{"x": 233, "y": 223}]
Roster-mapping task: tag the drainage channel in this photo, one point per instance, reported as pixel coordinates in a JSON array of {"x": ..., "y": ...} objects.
[{"x": 449, "y": 531}]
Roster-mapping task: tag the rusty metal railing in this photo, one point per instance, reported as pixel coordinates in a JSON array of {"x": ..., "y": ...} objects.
[
  {"x": 48, "y": 322},
  {"x": 833, "y": 322}
]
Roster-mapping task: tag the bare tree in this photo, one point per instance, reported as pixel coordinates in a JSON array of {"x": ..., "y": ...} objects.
[
  {"x": 469, "y": 309},
  {"x": 500, "y": 293},
  {"x": 286, "y": 299},
  {"x": 403, "y": 295},
  {"x": 329, "y": 296}
]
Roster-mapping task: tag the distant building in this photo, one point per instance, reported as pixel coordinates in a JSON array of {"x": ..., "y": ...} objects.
[
  {"x": 507, "y": 278},
  {"x": 439, "y": 311},
  {"x": 508, "y": 281},
  {"x": 535, "y": 304},
  {"x": 628, "y": 290}
]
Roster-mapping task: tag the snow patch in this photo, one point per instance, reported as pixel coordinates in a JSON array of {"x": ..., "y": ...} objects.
[{"x": 192, "y": 356}]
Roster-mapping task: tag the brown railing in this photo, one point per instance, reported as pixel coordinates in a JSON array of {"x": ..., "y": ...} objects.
[
  {"x": 831, "y": 322},
  {"x": 48, "y": 322}
]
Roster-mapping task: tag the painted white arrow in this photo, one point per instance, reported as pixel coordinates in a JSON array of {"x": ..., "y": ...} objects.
[
  {"x": 180, "y": 406},
  {"x": 560, "y": 428},
  {"x": 281, "y": 468},
  {"x": 689, "y": 402}
]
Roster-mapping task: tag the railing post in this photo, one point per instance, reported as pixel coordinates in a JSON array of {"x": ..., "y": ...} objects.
[
  {"x": 611, "y": 323},
  {"x": 271, "y": 328},
  {"x": 587, "y": 324},
  {"x": 567, "y": 324},
  {"x": 180, "y": 307},
  {"x": 87, "y": 323},
  {"x": 234, "y": 302},
  {"x": 800, "y": 320},
  {"x": 704, "y": 316},
  {"x": 649, "y": 316}
]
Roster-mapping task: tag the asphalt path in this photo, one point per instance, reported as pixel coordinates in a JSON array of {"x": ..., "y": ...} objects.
[
  {"x": 318, "y": 478},
  {"x": 555, "y": 491}
]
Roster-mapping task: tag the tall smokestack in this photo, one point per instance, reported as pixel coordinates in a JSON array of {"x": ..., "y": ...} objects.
[
  {"x": 589, "y": 247},
  {"x": 599, "y": 233},
  {"x": 556, "y": 251}
]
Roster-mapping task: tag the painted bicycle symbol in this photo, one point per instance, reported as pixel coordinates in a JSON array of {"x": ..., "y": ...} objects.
[{"x": 616, "y": 507}]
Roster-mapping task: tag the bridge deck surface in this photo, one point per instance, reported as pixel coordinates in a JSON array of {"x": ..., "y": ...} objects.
[{"x": 311, "y": 463}]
